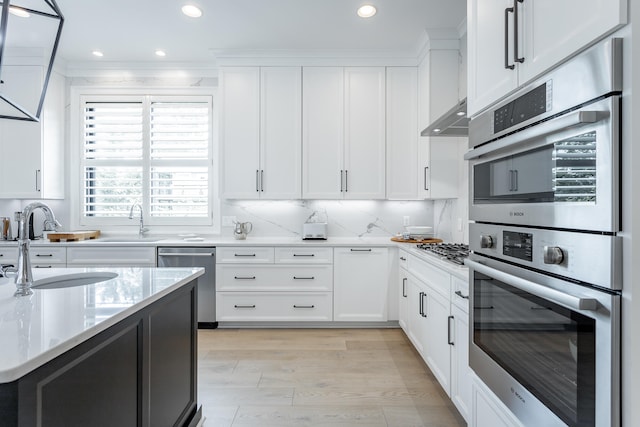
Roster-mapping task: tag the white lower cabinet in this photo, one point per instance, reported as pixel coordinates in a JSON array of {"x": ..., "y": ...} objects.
[
  {"x": 437, "y": 326},
  {"x": 47, "y": 257},
  {"x": 403, "y": 292},
  {"x": 274, "y": 284},
  {"x": 361, "y": 283},
  {"x": 274, "y": 306},
  {"x": 112, "y": 256},
  {"x": 488, "y": 410}
]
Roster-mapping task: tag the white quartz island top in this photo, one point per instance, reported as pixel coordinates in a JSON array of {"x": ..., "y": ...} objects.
[{"x": 37, "y": 328}]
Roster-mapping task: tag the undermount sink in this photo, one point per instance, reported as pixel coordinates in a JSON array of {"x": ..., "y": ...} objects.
[
  {"x": 128, "y": 239},
  {"x": 73, "y": 279}
]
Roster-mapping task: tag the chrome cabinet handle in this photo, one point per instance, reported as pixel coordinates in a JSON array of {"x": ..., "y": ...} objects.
[
  {"x": 257, "y": 180},
  {"x": 244, "y": 278},
  {"x": 303, "y": 306},
  {"x": 508, "y": 66},
  {"x": 205, "y": 254},
  {"x": 245, "y": 255},
  {"x": 560, "y": 298},
  {"x": 404, "y": 287},
  {"x": 341, "y": 181},
  {"x": 346, "y": 181},
  {"x": 44, "y": 255},
  {"x": 459, "y": 293},
  {"x": 516, "y": 53},
  {"x": 425, "y": 178},
  {"x": 262, "y": 180},
  {"x": 38, "y": 180},
  {"x": 449, "y": 341},
  {"x": 43, "y": 266},
  {"x": 245, "y": 306},
  {"x": 360, "y": 250},
  {"x": 304, "y": 254},
  {"x": 304, "y": 278},
  {"x": 402, "y": 258},
  {"x": 420, "y": 304}
]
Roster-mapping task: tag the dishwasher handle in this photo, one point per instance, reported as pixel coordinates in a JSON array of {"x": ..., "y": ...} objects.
[{"x": 209, "y": 254}]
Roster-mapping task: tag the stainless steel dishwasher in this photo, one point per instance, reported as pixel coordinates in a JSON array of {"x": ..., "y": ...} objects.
[{"x": 196, "y": 257}]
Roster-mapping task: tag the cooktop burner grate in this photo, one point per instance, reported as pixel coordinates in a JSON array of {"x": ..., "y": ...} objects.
[{"x": 453, "y": 252}]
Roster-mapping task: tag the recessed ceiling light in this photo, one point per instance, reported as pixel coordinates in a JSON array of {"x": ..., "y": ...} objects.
[
  {"x": 437, "y": 130},
  {"x": 191, "y": 11},
  {"x": 160, "y": 52},
  {"x": 97, "y": 53},
  {"x": 366, "y": 11},
  {"x": 18, "y": 11},
  {"x": 461, "y": 113}
]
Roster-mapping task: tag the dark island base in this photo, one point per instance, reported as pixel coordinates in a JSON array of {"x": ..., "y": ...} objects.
[{"x": 140, "y": 372}]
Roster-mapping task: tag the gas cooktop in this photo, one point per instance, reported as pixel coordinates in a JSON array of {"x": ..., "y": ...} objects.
[{"x": 452, "y": 252}]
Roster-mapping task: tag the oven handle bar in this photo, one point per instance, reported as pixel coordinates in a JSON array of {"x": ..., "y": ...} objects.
[
  {"x": 561, "y": 298},
  {"x": 564, "y": 122}
]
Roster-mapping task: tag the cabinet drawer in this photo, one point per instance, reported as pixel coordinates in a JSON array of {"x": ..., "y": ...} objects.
[
  {"x": 273, "y": 306},
  {"x": 243, "y": 255},
  {"x": 274, "y": 278},
  {"x": 304, "y": 255},
  {"x": 9, "y": 255},
  {"x": 438, "y": 279},
  {"x": 48, "y": 255},
  {"x": 460, "y": 293},
  {"x": 141, "y": 256}
]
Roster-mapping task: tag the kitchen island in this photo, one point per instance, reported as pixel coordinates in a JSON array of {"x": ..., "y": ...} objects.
[{"x": 118, "y": 352}]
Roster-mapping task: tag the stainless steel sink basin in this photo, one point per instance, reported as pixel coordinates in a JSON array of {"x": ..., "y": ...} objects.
[
  {"x": 128, "y": 239},
  {"x": 73, "y": 279}
]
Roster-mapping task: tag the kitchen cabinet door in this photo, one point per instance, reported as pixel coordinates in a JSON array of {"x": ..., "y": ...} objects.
[
  {"x": 554, "y": 31},
  {"x": 548, "y": 33},
  {"x": 437, "y": 342},
  {"x": 460, "y": 371},
  {"x": 439, "y": 165},
  {"x": 360, "y": 284},
  {"x": 364, "y": 141},
  {"x": 488, "y": 79},
  {"x": 240, "y": 132},
  {"x": 402, "y": 133},
  {"x": 417, "y": 322},
  {"x": 323, "y": 133},
  {"x": 33, "y": 152},
  {"x": 261, "y": 132},
  {"x": 280, "y": 133}
]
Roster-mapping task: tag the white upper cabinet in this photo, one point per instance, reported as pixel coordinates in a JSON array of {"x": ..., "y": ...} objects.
[
  {"x": 260, "y": 130},
  {"x": 510, "y": 42},
  {"x": 438, "y": 157},
  {"x": 402, "y": 133},
  {"x": 33, "y": 152},
  {"x": 343, "y": 133}
]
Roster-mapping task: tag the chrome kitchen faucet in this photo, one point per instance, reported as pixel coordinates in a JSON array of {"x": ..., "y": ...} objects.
[
  {"x": 24, "y": 277},
  {"x": 142, "y": 229}
]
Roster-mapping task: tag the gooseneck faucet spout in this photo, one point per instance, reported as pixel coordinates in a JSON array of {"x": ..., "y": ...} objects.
[
  {"x": 24, "y": 277},
  {"x": 142, "y": 228}
]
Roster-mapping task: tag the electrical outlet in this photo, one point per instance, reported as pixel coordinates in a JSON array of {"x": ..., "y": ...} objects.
[
  {"x": 228, "y": 221},
  {"x": 406, "y": 220}
]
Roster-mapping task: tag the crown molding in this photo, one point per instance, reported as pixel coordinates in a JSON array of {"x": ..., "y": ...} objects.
[{"x": 167, "y": 70}]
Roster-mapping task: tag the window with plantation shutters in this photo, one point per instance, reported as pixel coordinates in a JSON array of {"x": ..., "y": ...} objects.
[{"x": 151, "y": 150}]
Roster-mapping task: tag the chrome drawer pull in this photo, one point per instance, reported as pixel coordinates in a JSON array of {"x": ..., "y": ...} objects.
[
  {"x": 304, "y": 306},
  {"x": 249, "y": 255},
  {"x": 304, "y": 255},
  {"x": 44, "y": 255},
  {"x": 244, "y": 306},
  {"x": 360, "y": 250},
  {"x": 43, "y": 266},
  {"x": 303, "y": 278},
  {"x": 459, "y": 293},
  {"x": 244, "y": 278}
]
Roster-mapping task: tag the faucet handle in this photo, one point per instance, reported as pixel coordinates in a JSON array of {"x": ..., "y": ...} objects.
[{"x": 8, "y": 270}]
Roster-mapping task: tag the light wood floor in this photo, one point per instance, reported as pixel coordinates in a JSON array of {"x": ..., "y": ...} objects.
[{"x": 317, "y": 377}]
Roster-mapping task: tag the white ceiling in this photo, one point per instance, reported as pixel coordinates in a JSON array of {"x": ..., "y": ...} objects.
[{"x": 131, "y": 30}]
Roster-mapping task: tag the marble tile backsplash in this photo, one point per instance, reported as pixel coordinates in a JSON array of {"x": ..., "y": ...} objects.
[{"x": 348, "y": 218}]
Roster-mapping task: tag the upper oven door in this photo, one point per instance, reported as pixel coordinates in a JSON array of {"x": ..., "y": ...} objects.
[{"x": 561, "y": 173}]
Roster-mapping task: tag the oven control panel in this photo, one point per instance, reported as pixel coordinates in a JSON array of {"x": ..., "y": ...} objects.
[{"x": 565, "y": 253}]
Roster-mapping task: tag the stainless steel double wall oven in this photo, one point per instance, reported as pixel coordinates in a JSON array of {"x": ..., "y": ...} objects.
[{"x": 545, "y": 268}]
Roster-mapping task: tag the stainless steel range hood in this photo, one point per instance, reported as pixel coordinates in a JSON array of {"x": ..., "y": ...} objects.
[{"x": 452, "y": 123}]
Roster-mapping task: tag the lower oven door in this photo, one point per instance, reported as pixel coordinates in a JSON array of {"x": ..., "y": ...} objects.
[{"x": 548, "y": 348}]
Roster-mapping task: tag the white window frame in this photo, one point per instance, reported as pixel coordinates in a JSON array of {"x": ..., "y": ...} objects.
[{"x": 79, "y": 94}]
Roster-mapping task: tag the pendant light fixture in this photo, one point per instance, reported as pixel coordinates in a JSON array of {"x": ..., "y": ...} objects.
[{"x": 28, "y": 28}]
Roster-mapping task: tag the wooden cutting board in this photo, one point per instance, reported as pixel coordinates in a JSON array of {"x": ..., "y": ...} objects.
[
  {"x": 401, "y": 240},
  {"x": 73, "y": 236}
]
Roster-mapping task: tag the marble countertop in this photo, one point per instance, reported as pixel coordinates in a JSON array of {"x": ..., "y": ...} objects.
[
  {"x": 40, "y": 327},
  {"x": 211, "y": 240}
]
